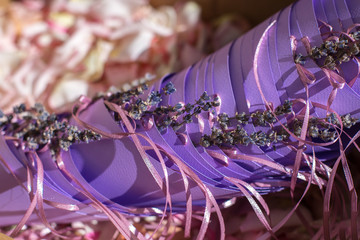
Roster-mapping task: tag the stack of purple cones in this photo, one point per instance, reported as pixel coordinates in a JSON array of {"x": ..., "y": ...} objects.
[{"x": 115, "y": 172}]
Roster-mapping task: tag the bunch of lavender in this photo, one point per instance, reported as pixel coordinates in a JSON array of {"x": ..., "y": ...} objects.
[
  {"x": 180, "y": 114},
  {"x": 333, "y": 52},
  {"x": 165, "y": 116},
  {"x": 229, "y": 131},
  {"x": 324, "y": 129},
  {"x": 35, "y": 127},
  {"x": 139, "y": 107}
]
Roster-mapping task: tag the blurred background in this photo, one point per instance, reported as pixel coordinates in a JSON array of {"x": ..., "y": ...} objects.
[
  {"x": 254, "y": 11},
  {"x": 56, "y": 50}
]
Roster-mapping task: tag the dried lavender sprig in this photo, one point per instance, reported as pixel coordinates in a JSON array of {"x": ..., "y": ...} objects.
[
  {"x": 178, "y": 115},
  {"x": 332, "y": 53},
  {"x": 223, "y": 134},
  {"x": 221, "y": 138},
  {"x": 204, "y": 104},
  {"x": 35, "y": 127},
  {"x": 133, "y": 103},
  {"x": 322, "y": 128},
  {"x": 258, "y": 118}
]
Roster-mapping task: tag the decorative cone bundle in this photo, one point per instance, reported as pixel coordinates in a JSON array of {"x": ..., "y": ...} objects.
[{"x": 276, "y": 107}]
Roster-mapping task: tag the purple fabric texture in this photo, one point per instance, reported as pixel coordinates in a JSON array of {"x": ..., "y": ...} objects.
[{"x": 114, "y": 172}]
